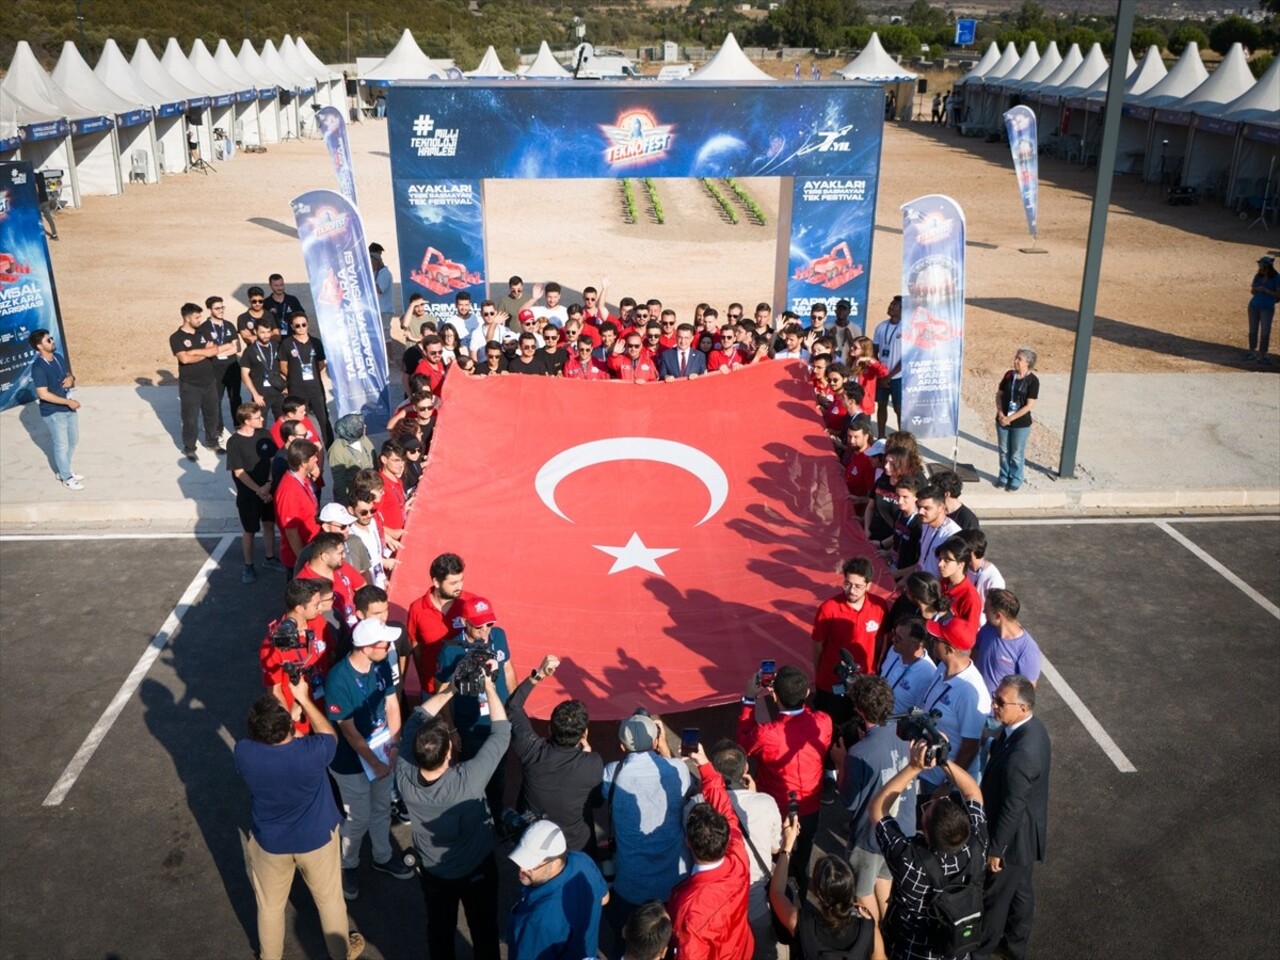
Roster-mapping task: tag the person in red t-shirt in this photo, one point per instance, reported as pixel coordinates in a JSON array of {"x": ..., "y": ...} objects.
[
  {"x": 432, "y": 364},
  {"x": 297, "y": 505},
  {"x": 583, "y": 366},
  {"x": 729, "y": 356},
  {"x": 850, "y": 621},
  {"x": 867, "y": 370},
  {"x": 431, "y": 617},
  {"x": 668, "y": 326},
  {"x": 290, "y": 646},
  {"x": 329, "y": 562},
  {"x": 295, "y": 408},
  {"x": 859, "y": 469},
  {"x": 393, "y": 506},
  {"x": 633, "y": 365},
  {"x": 953, "y": 560}
]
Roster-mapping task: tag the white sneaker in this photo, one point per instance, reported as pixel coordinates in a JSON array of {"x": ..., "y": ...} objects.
[
  {"x": 73, "y": 484},
  {"x": 77, "y": 476}
]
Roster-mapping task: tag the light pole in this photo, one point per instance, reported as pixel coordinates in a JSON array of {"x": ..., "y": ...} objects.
[{"x": 84, "y": 44}]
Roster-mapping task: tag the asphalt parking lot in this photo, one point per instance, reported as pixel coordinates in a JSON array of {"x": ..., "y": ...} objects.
[{"x": 143, "y": 856}]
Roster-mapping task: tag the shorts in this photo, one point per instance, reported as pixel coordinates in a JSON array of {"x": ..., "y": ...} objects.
[
  {"x": 253, "y": 512},
  {"x": 889, "y": 389},
  {"x": 867, "y": 867}
]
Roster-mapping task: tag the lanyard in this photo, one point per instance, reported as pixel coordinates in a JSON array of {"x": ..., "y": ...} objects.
[
  {"x": 57, "y": 363},
  {"x": 939, "y": 696},
  {"x": 306, "y": 485},
  {"x": 268, "y": 359}
]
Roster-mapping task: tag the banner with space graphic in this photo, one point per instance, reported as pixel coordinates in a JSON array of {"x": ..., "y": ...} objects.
[
  {"x": 933, "y": 231},
  {"x": 334, "y": 126},
  {"x": 831, "y": 227},
  {"x": 1020, "y": 122},
  {"x": 341, "y": 279},
  {"x": 28, "y": 298},
  {"x": 440, "y": 230}
]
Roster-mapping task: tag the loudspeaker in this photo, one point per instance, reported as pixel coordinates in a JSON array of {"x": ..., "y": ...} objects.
[{"x": 922, "y": 85}]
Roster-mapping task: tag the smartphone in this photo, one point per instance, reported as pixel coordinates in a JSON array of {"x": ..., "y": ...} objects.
[
  {"x": 689, "y": 741},
  {"x": 768, "y": 670},
  {"x": 793, "y": 804}
]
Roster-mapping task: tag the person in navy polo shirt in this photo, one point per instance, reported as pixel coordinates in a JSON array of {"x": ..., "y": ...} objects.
[
  {"x": 295, "y": 821},
  {"x": 52, "y": 379},
  {"x": 558, "y": 913}
]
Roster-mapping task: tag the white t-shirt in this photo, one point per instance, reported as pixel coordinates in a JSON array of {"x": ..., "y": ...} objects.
[
  {"x": 965, "y": 705},
  {"x": 559, "y": 314},
  {"x": 478, "y": 339},
  {"x": 371, "y": 537},
  {"x": 759, "y": 812},
  {"x": 984, "y": 580},
  {"x": 907, "y": 682},
  {"x": 888, "y": 344},
  {"x": 931, "y": 539}
]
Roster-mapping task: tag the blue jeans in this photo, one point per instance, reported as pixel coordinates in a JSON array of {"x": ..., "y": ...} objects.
[
  {"x": 64, "y": 427},
  {"x": 1013, "y": 455},
  {"x": 1260, "y": 329}
]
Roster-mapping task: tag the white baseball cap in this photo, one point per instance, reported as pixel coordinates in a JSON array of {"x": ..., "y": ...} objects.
[
  {"x": 540, "y": 842},
  {"x": 371, "y": 631}
]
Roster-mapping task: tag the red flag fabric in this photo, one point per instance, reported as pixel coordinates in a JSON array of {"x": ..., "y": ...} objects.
[{"x": 661, "y": 539}]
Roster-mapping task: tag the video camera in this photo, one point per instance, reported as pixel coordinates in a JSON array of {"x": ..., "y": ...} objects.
[
  {"x": 469, "y": 675},
  {"x": 286, "y": 637},
  {"x": 919, "y": 725},
  {"x": 846, "y": 669}
]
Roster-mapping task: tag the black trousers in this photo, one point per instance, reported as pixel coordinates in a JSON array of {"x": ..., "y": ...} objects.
[
  {"x": 799, "y": 867},
  {"x": 1008, "y": 904},
  {"x": 478, "y": 894},
  {"x": 228, "y": 385},
  {"x": 318, "y": 410},
  {"x": 198, "y": 401}
]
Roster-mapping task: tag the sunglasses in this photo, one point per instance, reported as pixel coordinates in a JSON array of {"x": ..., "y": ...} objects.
[
  {"x": 488, "y": 313},
  {"x": 256, "y": 300},
  {"x": 297, "y": 326},
  {"x": 633, "y": 346}
]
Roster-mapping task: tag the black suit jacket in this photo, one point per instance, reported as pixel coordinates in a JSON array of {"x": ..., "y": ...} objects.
[{"x": 1015, "y": 791}]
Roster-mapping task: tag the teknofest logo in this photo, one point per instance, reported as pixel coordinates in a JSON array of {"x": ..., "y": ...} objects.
[{"x": 636, "y": 137}]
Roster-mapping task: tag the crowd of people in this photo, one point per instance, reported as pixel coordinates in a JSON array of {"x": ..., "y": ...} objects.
[{"x": 707, "y": 849}]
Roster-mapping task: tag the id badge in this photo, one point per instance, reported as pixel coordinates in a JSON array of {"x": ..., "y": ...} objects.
[
  {"x": 838, "y": 689},
  {"x": 484, "y": 705},
  {"x": 308, "y": 371}
]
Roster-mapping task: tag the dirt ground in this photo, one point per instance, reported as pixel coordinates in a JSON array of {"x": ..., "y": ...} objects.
[{"x": 1172, "y": 295}]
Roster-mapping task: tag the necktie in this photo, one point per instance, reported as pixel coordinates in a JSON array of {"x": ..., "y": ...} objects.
[{"x": 683, "y": 359}]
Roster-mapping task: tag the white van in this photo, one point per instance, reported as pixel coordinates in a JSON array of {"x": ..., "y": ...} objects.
[
  {"x": 588, "y": 65},
  {"x": 676, "y": 71}
]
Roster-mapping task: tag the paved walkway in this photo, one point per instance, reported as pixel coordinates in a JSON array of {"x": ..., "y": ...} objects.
[{"x": 1150, "y": 442}]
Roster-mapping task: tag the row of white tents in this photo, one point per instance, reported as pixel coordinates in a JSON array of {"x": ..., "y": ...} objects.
[
  {"x": 130, "y": 120},
  {"x": 1218, "y": 132}
]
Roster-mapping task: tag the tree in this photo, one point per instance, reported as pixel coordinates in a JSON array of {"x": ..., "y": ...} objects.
[
  {"x": 900, "y": 40},
  {"x": 1144, "y": 37},
  {"x": 1261, "y": 64},
  {"x": 814, "y": 23},
  {"x": 1032, "y": 17},
  {"x": 1185, "y": 34},
  {"x": 924, "y": 17},
  {"x": 1235, "y": 30},
  {"x": 1084, "y": 36}
]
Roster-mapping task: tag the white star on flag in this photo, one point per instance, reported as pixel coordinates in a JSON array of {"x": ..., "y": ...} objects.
[{"x": 635, "y": 554}]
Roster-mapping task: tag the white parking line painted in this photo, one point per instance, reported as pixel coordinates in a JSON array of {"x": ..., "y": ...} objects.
[
  {"x": 1231, "y": 578},
  {"x": 131, "y": 682},
  {"x": 1087, "y": 521},
  {"x": 1086, "y": 717},
  {"x": 33, "y": 537}
]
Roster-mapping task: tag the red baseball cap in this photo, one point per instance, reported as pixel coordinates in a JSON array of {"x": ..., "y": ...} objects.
[
  {"x": 953, "y": 631},
  {"x": 526, "y": 314},
  {"x": 477, "y": 611}
]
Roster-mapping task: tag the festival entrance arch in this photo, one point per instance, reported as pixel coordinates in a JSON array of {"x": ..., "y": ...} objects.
[{"x": 824, "y": 139}]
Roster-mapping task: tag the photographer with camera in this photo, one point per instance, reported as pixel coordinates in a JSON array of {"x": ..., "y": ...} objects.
[
  {"x": 959, "y": 694},
  {"x": 292, "y": 650},
  {"x": 868, "y": 753},
  {"x": 452, "y": 827},
  {"x": 790, "y": 749},
  {"x": 935, "y": 908},
  {"x": 362, "y": 701},
  {"x": 561, "y": 775},
  {"x": 295, "y": 821},
  {"x": 477, "y": 650}
]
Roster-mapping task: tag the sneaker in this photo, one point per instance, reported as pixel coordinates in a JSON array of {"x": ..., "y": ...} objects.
[
  {"x": 350, "y": 885},
  {"x": 1249, "y": 356},
  {"x": 1013, "y": 489},
  {"x": 249, "y": 575},
  {"x": 190, "y": 455},
  {"x": 1265, "y": 360},
  {"x": 400, "y": 811},
  {"x": 355, "y": 945},
  {"x": 271, "y": 563},
  {"x": 71, "y": 483},
  {"x": 77, "y": 476},
  {"x": 395, "y": 868},
  {"x": 830, "y": 791}
]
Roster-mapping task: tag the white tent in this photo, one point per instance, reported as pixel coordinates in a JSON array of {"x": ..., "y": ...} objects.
[
  {"x": 490, "y": 68},
  {"x": 1049, "y": 101},
  {"x": 29, "y": 114},
  {"x": 729, "y": 63},
  {"x": 168, "y": 139},
  {"x": 1168, "y": 127},
  {"x": 10, "y": 132},
  {"x": 1093, "y": 67},
  {"x": 987, "y": 96},
  {"x": 245, "y": 105},
  {"x": 133, "y": 133},
  {"x": 874, "y": 65},
  {"x": 985, "y": 63},
  {"x": 1211, "y": 139},
  {"x": 406, "y": 61},
  {"x": 283, "y": 118},
  {"x": 147, "y": 67},
  {"x": 222, "y": 101},
  {"x": 1258, "y": 145},
  {"x": 304, "y": 88},
  {"x": 1045, "y": 67},
  {"x": 1261, "y": 102},
  {"x": 999, "y": 95},
  {"x": 545, "y": 67},
  {"x": 42, "y": 106},
  {"x": 328, "y": 84},
  {"x": 1150, "y": 72},
  {"x": 1139, "y": 111},
  {"x": 1187, "y": 74},
  {"x": 258, "y": 121}
]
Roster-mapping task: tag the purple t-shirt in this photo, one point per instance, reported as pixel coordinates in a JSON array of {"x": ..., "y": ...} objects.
[{"x": 996, "y": 657}]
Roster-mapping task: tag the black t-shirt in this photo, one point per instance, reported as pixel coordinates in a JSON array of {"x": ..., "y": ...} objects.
[
  {"x": 246, "y": 321},
  {"x": 412, "y": 357},
  {"x": 555, "y": 361},
  {"x": 253, "y": 455},
  {"x": 482, "y": 367},
  {"x": 966, "y": 518},
  {"x": 303, "y": 359},
  {"x": 538, "y": 366},
  {"x": 202, "y": 371},
  {"x": 282, "y": 310},
  {"x": 260, "y": 360},
  {"x": 1027, "y": 388},
  {"x": 854, "y": 940},
  {"x": 221, "y": 333}
]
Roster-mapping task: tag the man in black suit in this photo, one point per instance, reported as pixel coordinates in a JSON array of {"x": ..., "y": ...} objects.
[
  {"x": 1015, "y": 791},
  {"x": 683, "y": 361}
]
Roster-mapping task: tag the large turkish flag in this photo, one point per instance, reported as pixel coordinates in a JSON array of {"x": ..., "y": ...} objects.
[{"x": 661, "y": 539}]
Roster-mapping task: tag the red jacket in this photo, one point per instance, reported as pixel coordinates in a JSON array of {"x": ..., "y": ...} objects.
[
  {"x": 791, "y": 750},
  {"x": 709, "y": 908}
]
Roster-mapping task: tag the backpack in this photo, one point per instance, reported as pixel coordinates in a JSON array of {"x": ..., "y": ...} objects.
[{"x": 953, "y": 919}]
